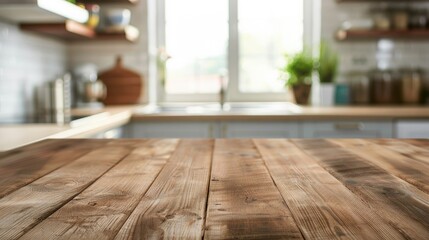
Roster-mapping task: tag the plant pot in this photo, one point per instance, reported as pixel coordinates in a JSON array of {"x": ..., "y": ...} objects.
[
  {"x": 327, "y": 91},
  {"x": 301, "y": 92}
]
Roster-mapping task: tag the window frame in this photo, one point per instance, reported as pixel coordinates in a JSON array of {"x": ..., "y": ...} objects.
[{"x": 312, "y": 15}]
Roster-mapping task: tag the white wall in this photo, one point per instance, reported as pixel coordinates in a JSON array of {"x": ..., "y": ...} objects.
[
  {"x": 103, "y": 53},
  {"x": 26, "y": 60},
  {"x": 360, "y": 55}
]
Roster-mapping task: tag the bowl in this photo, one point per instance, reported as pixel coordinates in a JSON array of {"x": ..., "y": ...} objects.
[{"x": 118, "y": 18}]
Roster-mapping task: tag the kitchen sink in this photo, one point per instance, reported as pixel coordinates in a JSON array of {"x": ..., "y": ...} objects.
[
  {"x": 269, "y": 107},
  {"x": 214, "y": 108}
]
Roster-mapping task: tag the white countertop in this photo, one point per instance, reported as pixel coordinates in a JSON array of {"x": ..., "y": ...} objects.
[{"x": 13, "y": 136}]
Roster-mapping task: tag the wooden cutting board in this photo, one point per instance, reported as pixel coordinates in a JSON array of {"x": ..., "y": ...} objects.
[{"x": 123, "y": 85}]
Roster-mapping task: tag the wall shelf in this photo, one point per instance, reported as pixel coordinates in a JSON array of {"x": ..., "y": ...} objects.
[
  {"x": 31, "y": 11},
  {"x": 378, "y": 1},
  {"x": 68, "y": 30},
  {"x": 108, "y": 1},
  {"x": 73, "y": 31},
  {"x": 345, "y": 35}
]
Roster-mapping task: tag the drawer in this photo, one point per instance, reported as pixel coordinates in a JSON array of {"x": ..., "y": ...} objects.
[
  {"x": 348, "y": 129},
  {"x": 412, "y": 129}
]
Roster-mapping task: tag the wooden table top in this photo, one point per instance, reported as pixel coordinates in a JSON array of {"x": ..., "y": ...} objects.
[{"x": 216, "y": 189}]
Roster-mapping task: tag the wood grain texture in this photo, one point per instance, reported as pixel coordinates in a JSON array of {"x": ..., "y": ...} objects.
[
  {"x": 243, "y": 200},
  {"x": 423, "y": 143},
  {"x": 321, "y": 205},
  {"x": 30, "y": 163},
  {"x": 27, "y": 206},
  {"x": 100, "y": 210},
  {"x": 216, "y": 189},
  {"x": 407, "y": 167},
  {"x": 407, "y": 148},
  {"x": 174, "y": 206},
  {"x": 397, "y": 202}
]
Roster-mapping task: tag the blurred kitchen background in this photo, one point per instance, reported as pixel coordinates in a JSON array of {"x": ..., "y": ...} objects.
[{"x": 60, "y": 56}]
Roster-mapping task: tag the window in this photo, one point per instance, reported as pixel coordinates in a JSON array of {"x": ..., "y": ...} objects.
[
  {"x": 240, "y": 41},
  {"x": 196, "y": 38}
]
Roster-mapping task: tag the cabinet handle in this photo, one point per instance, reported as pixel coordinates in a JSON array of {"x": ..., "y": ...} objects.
[{"x": 348, "y": 126}]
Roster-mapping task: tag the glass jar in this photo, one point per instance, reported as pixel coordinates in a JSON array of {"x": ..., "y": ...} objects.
[
  {"x": 411, "y": 86},
  {"x": 94, "y": 15},
  {"x": 359, "y": 84},
  {"x": 400, "y": 19},
  {"x": 384, "y": 87},
  {"x": 381, "y": 19},
  {"x": 419, "y": 19}
]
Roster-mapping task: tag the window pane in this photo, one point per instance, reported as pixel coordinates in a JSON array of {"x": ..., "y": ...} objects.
[
  {"x": 267, "y": 30},
  {"x": 196, "y": 40}
]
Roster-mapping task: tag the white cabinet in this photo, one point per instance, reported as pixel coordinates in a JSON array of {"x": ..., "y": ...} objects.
[
  {"x": 260, "y": 130},
  {"x": 263, "y": 129},
  {"x": 348, "y": 129},
  {"x": 173, "y": 130},
  {"x": 213, "y": 130},
  {"x": 412, "y": 129}
]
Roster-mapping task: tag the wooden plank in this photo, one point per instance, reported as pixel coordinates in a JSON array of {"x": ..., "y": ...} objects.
[
  {"x": 399, "y": 203},
  {"x": 35, "y": 161},
  {"x": 423, "y": 143},
  {"x": 322, "y": 207},
  {"x": 48, "y": 145},
  {"x": 243, "y": 200},
  {"x": 68, "y": 30},
  {"x": 416, "y": 150},
  {"x": 406, "y": 167},
  {"x": 174, "y": 206},
  {"x": 27, "y": 206},
  {"x": 101, "y": 210}
]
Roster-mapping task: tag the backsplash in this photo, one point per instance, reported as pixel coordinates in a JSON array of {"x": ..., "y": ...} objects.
[
  {"x": 26, "y": 61},
  {"x": 360, "y": 55}
]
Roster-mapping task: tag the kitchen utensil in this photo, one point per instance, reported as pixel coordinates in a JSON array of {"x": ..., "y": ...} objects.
[
  {"x": 90, "y": 90},
  {"x": 94, "y": 91},
  {"x": 54, "y": 101},
  {"x": 123, "y": 85}
]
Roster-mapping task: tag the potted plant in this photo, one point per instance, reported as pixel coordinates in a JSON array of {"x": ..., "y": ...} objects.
[
  {"x": 298, "y": 72},
  {"x": 327, "y": 69}
]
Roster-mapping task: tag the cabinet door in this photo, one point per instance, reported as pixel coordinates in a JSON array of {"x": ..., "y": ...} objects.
[
  {"x": 172, "y": 130},
  {"x": 348, "y": 129},
  {"x": 412, "y": 129},
  {"x": 259, "y": 130}
]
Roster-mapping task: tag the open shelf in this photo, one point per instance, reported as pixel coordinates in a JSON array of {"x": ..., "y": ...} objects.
[
  {"x": 378, "y": 1},
  {"x": 68, "y": 30},
  {"x": 130, "y": 34},
  {"x": 37, "y": 11},
  {"x": 108, "y": 1},
  {"x": 73, "y": 31},
  {"x": 344, "y": 35}
]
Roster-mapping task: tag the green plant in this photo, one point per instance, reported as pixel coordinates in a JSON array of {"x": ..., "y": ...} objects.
[
  {"x": 298, "y": 69},
  {"x": 328, "y": 64}
]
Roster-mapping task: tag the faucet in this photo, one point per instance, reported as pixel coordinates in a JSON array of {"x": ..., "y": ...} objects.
[{"x": 222, "y": 91}]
